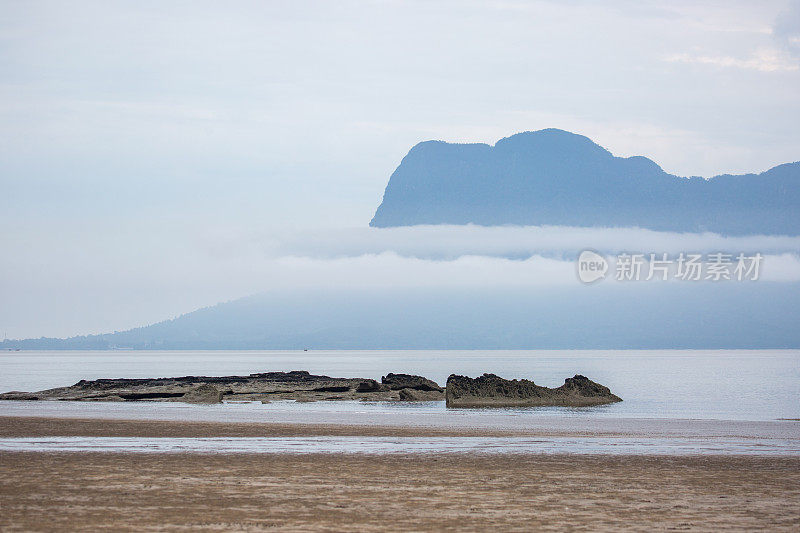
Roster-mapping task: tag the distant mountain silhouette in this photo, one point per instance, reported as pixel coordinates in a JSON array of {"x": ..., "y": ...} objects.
[
  {"x": 703, "y": 315},
  {"x": 553, "y": 177}
]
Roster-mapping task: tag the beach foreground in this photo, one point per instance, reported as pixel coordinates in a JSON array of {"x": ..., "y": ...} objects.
[{"x": 124, "y": 491}]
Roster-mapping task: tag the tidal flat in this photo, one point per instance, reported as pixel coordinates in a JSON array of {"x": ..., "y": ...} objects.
[{"x": 431, "y": 492}]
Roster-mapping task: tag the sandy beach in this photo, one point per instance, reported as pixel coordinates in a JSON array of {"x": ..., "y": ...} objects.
[{"x": 326, "y": 492}]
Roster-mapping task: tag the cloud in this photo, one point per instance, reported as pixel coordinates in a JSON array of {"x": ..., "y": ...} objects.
[
  {"x": 86, "y": 295},
  {"x": 443, "y": 242},
  {"x": 115, "y": 283},
  {"x": 389, "y": 270},
  {"x": 786, "y": 30},
  {"x": 783, "y": 58},
  {"x": 782, "y": 268},
  {"x": 763, "y": 60}
]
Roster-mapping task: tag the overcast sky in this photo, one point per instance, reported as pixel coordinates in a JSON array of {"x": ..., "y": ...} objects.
[{"x": 137, "y": 138}]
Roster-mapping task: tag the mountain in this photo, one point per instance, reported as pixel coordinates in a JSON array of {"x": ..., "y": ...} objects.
[
  {"x": 689, "y": 315},
  {"x": 553, "y": 177}
]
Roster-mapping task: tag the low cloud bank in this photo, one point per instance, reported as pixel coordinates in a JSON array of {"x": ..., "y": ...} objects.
[
  {"x": 514, "y": 242},
  {"x": 115, "y": 284}
]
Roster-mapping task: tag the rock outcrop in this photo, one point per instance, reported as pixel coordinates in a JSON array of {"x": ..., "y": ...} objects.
[
  {"x": 297, "y": 385},
  {"x": 203, "y": 394},
  {"x": 415, "y": 395},
  {"x": 490, "y": 390},
  {"x": 407, "y": 381}
]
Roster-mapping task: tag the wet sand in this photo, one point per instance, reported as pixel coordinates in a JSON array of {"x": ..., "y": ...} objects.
[
  {"x": 319, "y": 492},
  {"x": 18, "y": 426},
  {"x": 90, "y": 491}
]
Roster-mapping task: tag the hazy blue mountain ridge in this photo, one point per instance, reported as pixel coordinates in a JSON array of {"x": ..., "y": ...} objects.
[
  {"x": 553, "y": 177},
  {"x": 712, "y": 315}
]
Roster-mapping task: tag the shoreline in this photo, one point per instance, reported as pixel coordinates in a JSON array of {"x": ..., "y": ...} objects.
[
  {"x": 70, "y": 435},
  {"x": 33, "y": 426},
  {"x": 52, "y": 426}
]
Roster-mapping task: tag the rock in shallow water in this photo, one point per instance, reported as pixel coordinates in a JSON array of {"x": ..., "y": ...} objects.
[
  {"x": 203, "y": 394},
  {"x": 297, "y": 385},
  {"x": 490, "y": 390},
  {"x": 408, "y": 381},
  {"x": 414, "y": 395}
]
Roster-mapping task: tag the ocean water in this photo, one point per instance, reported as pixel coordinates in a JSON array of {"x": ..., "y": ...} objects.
[
  {"x": 675, "y": 402},
  {"x": 730, "y": 385}
]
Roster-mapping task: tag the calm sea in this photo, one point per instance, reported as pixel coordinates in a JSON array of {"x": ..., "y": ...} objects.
[{"x": 678, "y": 385}]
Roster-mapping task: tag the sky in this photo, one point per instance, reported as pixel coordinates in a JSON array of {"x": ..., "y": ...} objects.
[{"x": 157, "y": 157}]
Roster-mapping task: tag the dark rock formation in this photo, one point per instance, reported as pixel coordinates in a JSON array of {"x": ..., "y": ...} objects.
[
  {"x": 461, "y": 391},
  {"x": 369, "y": 385},
  {"x": 205, "y": 393},
  {"x": 296, "y": 385},
  {"x": 415, "y": 395},
  {"x": 408, "y": 381},
  {"x": 490, "y": 390},
  {"x": 17, "y": 395}
]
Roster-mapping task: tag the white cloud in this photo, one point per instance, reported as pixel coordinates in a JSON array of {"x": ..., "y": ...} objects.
[
  {"x": 786, "y": 30},
  {"x": 53, "y": 287},
  {"x": 450, "y": 242},
  {"x": 763, "y": 60},
  {"x": 782, "y": 268}
]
